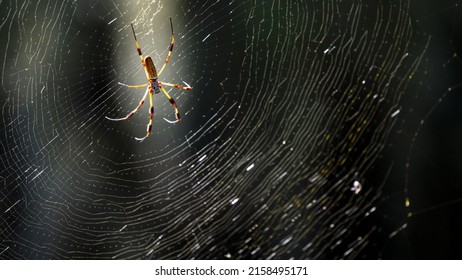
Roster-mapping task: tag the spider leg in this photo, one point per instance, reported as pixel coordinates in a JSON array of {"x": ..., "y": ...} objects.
[
  {"x": 138, "y": 46},
  {"x": 177, "y": 113},
  {"x": 137, "y": 86},
  {"x": 151, "y": 115},
  {"x": 187, "y": 87},
  {"x": 132, "y": 112},
  {"x": 169, "y": 51}
]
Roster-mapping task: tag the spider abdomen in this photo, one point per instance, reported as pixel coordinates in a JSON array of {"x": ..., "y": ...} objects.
[{"x": 151, "y": 71}]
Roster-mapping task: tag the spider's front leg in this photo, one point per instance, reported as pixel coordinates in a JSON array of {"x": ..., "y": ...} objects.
[
  {"x": 170, "y": 49},
  {"x": 177, "y": 113}
]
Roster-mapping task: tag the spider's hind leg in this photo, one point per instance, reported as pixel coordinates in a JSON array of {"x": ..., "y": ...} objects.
[
  {"x": 177, "y": 113},
  {"x": 132, "y": 112},
  {"x": 151, "y": 116}
]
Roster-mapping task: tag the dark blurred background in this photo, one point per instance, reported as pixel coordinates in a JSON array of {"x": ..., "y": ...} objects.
[{"x": 283, "y": 121}]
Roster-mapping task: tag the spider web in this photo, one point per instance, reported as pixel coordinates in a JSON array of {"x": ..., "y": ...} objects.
[{"x": 302, "y": 136}]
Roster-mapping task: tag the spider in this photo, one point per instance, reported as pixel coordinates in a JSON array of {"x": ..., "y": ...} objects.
[{"x": 153, "y": 85}]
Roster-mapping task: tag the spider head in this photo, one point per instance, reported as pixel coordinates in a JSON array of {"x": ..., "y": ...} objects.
[{"x": 151, "y": 71}]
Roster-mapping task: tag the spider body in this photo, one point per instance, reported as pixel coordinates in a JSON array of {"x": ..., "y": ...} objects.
[
  {"x": 154, "y": 86},
  {"x": 151, "y": 74}
]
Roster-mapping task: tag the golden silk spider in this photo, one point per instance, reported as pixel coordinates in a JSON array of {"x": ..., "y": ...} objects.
[{"x": 153, "y": 85}]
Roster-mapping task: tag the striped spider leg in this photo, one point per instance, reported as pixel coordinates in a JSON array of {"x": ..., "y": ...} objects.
[{"x": 153, "y": 86}]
